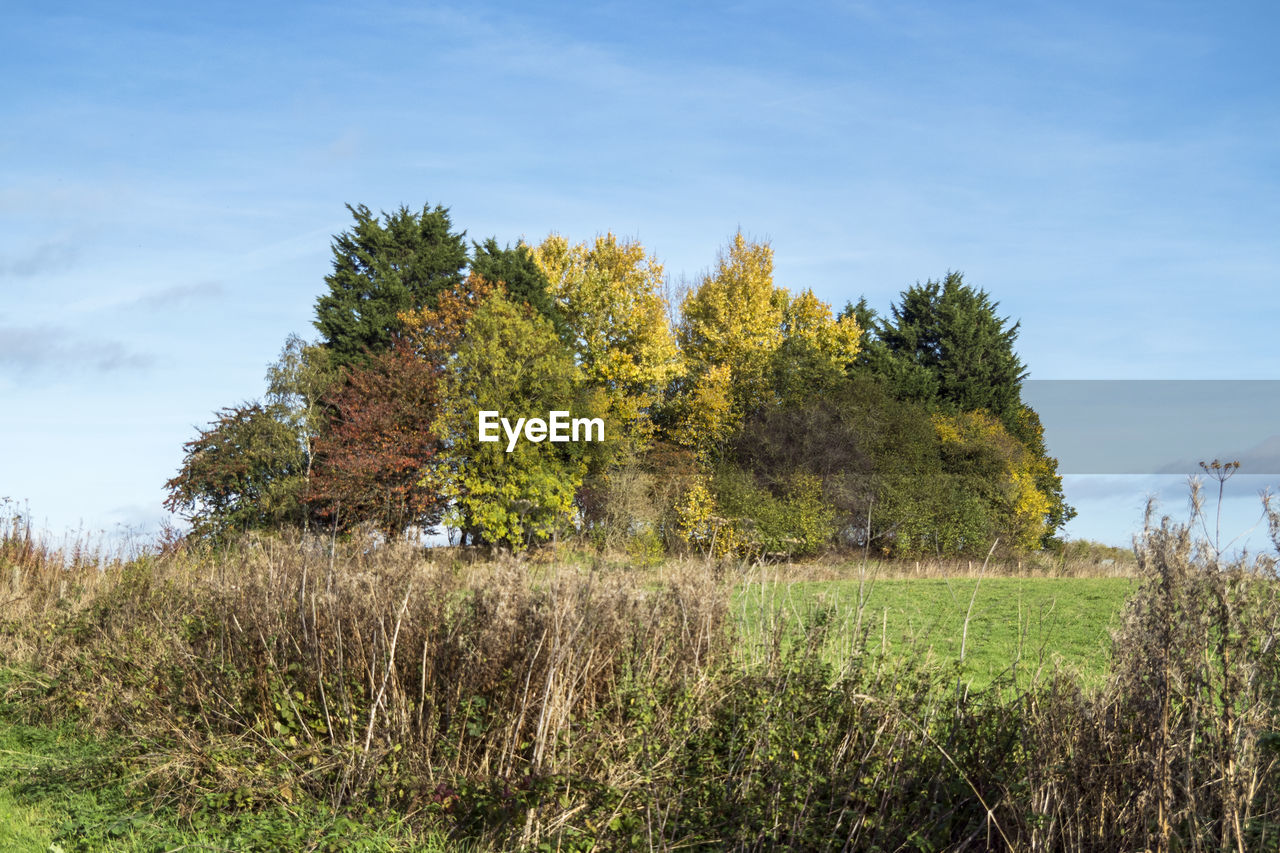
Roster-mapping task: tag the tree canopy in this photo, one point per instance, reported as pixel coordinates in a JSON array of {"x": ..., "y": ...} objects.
[
  {"x": 383, "y": 267},
  {"x": 952, "y": 332},
  {"x": 752, "y": 421}
]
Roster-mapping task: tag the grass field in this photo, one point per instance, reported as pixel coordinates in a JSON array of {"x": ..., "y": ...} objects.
[
  {"x": 63, "y": 791},
  {"x": 584, "y": 703},
  {"x": 1015, "y": 625}
]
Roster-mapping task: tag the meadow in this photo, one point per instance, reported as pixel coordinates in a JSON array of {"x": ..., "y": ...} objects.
[
  {"x": 993, "y": 627},
  {"x": 293, "y": 694}
]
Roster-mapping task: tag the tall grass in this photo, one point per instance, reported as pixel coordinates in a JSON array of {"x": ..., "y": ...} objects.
[{"x": 591, "y": 707}]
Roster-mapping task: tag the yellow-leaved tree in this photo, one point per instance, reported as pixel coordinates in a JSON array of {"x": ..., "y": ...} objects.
[
  {"x": 976, "y": 445},
  {"x": 735, "y": 319},
  {"x": 610, "y": 295},
  {"x": 817, "y": 349},
  {"x": 748, "y": 345}
]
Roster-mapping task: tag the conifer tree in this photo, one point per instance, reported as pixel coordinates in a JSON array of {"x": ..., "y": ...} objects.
[
  {"x": 517, "y": 270},
  {"x": 946, "y": 346},
  {"x": 952, "y": 331},
  {"x": 382, "y": 268}
]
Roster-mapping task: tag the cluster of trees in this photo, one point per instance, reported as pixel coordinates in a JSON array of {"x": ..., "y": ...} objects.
[{"x": 753, "y": 419}]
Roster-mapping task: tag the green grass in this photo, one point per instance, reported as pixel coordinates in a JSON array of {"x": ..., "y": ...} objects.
[
  {"x": 1017, "y": 625},
  {"x": 62, "y": 791}
]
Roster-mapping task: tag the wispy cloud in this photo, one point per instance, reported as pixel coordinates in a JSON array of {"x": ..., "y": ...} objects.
[
  {"x": 51, "y": 256},
  {"x": 27, "y": 349},
  {"x": 180, "y": 294}
]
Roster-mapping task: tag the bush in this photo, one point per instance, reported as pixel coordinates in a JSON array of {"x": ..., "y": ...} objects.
[{"x": 797, "y": 523}]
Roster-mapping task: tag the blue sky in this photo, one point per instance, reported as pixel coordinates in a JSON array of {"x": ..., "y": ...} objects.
[{"x": 170, "y": 178}]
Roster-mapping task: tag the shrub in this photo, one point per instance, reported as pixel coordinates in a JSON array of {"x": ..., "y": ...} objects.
[{"x": 799, "y": 522}]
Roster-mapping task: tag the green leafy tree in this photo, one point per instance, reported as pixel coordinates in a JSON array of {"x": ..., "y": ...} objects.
[
  {"x": 297, "y": 384},
  {"x": 508, "y": 359},
  {"x": 251, "y": 468},
  {"x": 245, "y": 471},
  {"x": 382, "y": 268}
]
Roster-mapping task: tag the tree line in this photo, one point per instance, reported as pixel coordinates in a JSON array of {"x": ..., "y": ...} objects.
[{"x": 742, "y": 418}]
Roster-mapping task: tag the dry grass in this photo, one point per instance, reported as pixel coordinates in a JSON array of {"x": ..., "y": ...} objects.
[
  {"x": 362, "y": 673},
  {"x": 587, "y": 706}
]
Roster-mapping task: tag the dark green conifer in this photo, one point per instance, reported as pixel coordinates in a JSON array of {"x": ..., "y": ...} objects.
[{"x": 382, "y": 267}]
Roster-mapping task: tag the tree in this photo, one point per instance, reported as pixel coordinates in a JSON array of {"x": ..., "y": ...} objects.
[
  {"x": 297, "y": 385},
  {"x": 251, "y": 468},
  {"x": 245, "y": 471},
  {"x": 735, "y": 319},
  {"x": 945, "y": 345},
  {"x": 509, "y": 359},
  {"x": 976, "y": 446},
  {"x": 376, "y": 461},
  {"x": 382, "y": 268},
  {"x": 816, "y": 351},
  {"x": 952, "y": 332},
  {"x": 756, "y": 344},
  {"x": 610, "y": 294},
  {"x": 518, "y": 271}
]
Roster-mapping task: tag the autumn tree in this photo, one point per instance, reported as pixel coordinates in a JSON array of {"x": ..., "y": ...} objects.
[
  {"x": 381, "y": 268},
  {"x": 610, "y": 293},
  {"x": 734, "y": 319},
  {"x": 748, "y": 345},
  {"x": 376, "y": 460},
  {"x": 816, "y": 352}
]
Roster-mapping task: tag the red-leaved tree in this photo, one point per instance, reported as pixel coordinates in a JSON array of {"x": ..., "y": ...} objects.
[{"x": 375, "y": 463}]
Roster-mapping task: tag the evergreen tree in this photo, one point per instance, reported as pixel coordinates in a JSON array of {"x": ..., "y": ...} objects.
[
  {"x": 381, "y": 268},
  {"x": 518, "y": 271},
  {"x": 946, "y": 346},
  {"x": 952, "y": 331}
]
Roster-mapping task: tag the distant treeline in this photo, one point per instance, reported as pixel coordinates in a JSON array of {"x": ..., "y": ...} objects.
[{"x": 741, "y": 417}]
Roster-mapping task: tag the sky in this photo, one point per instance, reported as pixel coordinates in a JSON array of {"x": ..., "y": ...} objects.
[{"x": 171, "y": 177}]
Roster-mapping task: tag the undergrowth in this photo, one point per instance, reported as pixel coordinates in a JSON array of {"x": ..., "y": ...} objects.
[{"x": 283, "y": 694}]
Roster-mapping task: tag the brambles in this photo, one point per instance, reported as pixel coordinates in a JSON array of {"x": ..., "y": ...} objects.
[{"x": 524, "y": 704}]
